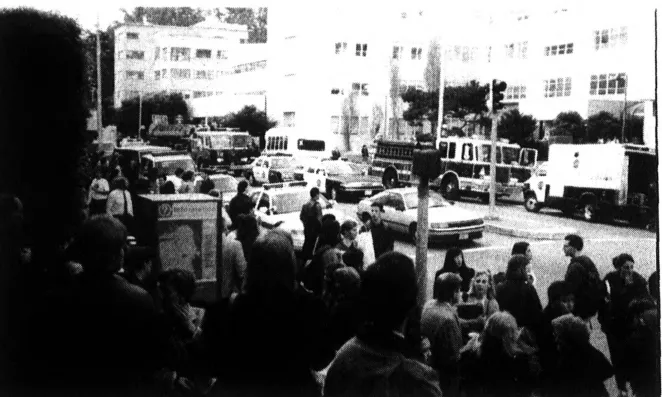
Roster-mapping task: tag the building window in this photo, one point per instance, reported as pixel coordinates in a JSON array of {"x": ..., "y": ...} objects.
[
  {"x": 180, "y": 74},
  {"x": 516, "y": 50},
  {"x": 607, "y": 84},
  {"x": 416, "y": 53},
  {"x": 362, "y": 87},
  {"x": 288, "y": 119},
  {"x": 221, "y": 54},
  {"x": 132, "y": 36},
  {"x": 135, "y": 55},
  {"x": 179, "y": 54},
  {"x": 335, "y": 124},
  {"x": 610, "y": 38},
  {"x": 202, "y": 94},
  {"x": 354, "y": 125},
  {"x": 560, "y": 49},
  {"x": 163, "y": 73},
  {"x": 242, "y": 41},
  {"x": 361, "y": 50},
  {"x": 515, "y": 92},
  {"x": 397, "y": 52},
  {"x": 203, "y": 54},
  {"x": 135, "y": 75},
  {"x": 157, "y": 53},
  {"x": 157, "y": 75},
  {"x": 337, "y": 91},
  {"x": 558, "y": 87},
  {"x": 204, "y": 74},
  {"x": 460, "y": 53},
  {"x": 341, "y": 48},
  {"x": 364, "y": 126},
  {"x": 187, "y": 96},
  {"x": 219, "y": 93},
  {"x": 165, "y": 53}
]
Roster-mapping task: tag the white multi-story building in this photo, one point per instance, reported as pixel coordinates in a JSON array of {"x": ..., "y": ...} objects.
[
  {"x": 326, "y": 76},
  {"x": 192, "y": 60}
]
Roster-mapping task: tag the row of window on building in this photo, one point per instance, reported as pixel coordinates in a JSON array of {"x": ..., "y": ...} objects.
[
  {"x": 601, "y": 84},
  {"x": 604, "y": 39},
  {"x": 185, "y": 74},
  {"x": 177, "y": 54},
  {"x": 128, "y": 94},
  {"x": 136, "y": 36}
]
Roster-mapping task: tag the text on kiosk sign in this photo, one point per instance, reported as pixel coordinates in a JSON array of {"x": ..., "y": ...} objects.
[{"x": 187, "y": 210}]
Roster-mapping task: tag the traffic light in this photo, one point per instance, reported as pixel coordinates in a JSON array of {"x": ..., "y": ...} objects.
[{"x": 498, "y": 87}]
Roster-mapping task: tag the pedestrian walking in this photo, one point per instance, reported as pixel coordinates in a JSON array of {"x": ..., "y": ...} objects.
[
  {"x": 624, "y": 285},
  {"x": 311, "y": 217},
  {"x": 365, "y": 154},
  {"x": 383, "y": 239},
  {"x": 582, "y": 279}
]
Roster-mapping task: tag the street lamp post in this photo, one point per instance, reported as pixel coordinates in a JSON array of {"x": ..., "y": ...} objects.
[{"x": 623, "y": 78}]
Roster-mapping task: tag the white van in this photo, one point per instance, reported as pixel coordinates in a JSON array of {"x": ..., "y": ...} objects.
[{"x": 292, "y": 141}]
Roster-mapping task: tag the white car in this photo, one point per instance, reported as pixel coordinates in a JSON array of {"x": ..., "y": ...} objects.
[
  {"x": 278, "y": 205},
  {"x": 270, "y": 169},
  {"x": 447, "y": 221}
]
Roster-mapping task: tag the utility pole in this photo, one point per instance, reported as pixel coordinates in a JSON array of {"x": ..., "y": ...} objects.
[
  {"x": 140, "y": 111},
  {"x": 99, "y": 94},
  {"x": 442, "y": 83},
  {"x": 624, "y": 80},
  {"x": 493, "y": 137}
]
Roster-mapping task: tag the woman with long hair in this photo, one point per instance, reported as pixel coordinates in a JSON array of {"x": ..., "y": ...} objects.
[
  {"x": 496, "y": 363},
  {"x": 454, "y": 263},
  {"x": 482, "y": 293}
]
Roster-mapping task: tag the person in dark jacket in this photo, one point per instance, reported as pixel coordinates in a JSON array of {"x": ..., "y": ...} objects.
[
  {"x": 379, "y": 361},
  {"x": 642, "y": 348},
  {"x": 383, "y": 238},
  {"x": 518, "y": 297},
  {"x": 344, "y": 314},
  {"x": 582, "y": 279},
  {"x": 311, "y": 217},
  {"x": 269, "y": 339},
  {"x": 581, "y": 369},
  {"x": 559, "y": 302},
  {"x": 624, "y": 286},
  {"x": 240, "y": 204},
  {"x": 454, "y": 263}
]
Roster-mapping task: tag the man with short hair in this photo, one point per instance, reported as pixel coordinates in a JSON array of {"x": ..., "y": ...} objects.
[
  {"x": 582, "y": 279},
  {"x": 377, "y": 360},
  {"x": 176, "y": 179},
  {"x": 311, "y": 217},
  {"x": 441, "y": 325},
  {"x": 240, "y": 203},
  {"x": 383, "y": 239}
]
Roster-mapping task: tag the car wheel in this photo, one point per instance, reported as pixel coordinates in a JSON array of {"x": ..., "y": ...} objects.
[
  {"x": 412, "y": 232},
  {"x": 589, "y": 212},
  {"x": 531, "y": 203},
  {"x": 450, "y": 189}
]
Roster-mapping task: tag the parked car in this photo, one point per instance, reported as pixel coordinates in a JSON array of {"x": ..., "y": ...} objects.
[
  {"x": 338, "y": 178},
  {"x": 448, "y": 222},
  {"x": 271, "y": 169},
  {"x": 278, "y": 205}
]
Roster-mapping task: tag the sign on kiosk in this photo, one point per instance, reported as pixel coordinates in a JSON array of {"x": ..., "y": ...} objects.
[{"x": 186, "y": 233}]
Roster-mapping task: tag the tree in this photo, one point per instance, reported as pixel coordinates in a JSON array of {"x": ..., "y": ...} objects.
[
  {"x": 604, "y": 126},
  {"x": 569, "y": 124},
  {"x": 172, "y": 104},
  {"x": 377, "y": 117},
  {"x": 107, "y": 72},
  {"x": 394, "y": 94},
  {"x": 168, "y": 16},
  {"x": 255, "y": 19},
  {"x": 251, "y": 120},
  {"x": 516, "y": 127},
  {"x": 350, "y": 113},
  {"x": 433, "y": 66},
  {"x": 459, "y": 102}
]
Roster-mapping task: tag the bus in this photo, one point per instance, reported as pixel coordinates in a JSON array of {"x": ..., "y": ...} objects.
[
  {"x": 292, "y": 141},
  {"x": 465, "y": 166}
]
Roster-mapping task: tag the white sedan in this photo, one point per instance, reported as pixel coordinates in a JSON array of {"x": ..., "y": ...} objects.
[
  {"x": 447, "y": 221},
  {"x": 278, "y": 205}
]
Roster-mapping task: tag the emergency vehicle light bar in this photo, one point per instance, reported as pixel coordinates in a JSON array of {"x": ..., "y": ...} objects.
[{"x": 281, "y": 185}]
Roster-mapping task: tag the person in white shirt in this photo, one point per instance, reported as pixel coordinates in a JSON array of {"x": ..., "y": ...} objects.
[
  {"x": 188, "y": 182},
  {"x": 176, "y": 179},
  {"x": 119, "y": 204},
  {"x": 99, "y": 190}
]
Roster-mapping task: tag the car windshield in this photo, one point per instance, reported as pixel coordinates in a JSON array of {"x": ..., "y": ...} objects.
[
  {"x": 288, "y": 202},
  {"x": 282, "y": 162},
  {"x": 342, "y": 168},
  {"x": 226, "y": 185},
  {"x": 220, "y": 142},
  {"x": 240, "y": 141},
  {"x": 169, "y": 167},
  {"x": 436, "y": 200}
]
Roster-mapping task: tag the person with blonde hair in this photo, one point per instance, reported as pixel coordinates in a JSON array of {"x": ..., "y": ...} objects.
[{"x": 481, "y": 300}]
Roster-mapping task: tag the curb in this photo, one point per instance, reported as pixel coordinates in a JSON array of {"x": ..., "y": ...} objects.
[{"x": 540, "y": 234}]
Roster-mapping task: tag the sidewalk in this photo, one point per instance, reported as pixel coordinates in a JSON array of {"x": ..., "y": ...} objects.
[{"x": 508, "y": 225}]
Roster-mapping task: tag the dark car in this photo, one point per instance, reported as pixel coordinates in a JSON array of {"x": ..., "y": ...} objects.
[{"x": 347, "y": 180}]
